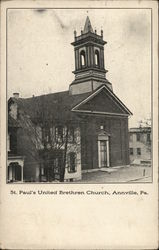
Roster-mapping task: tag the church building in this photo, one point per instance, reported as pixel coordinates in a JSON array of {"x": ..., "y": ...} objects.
[{"x": 64, "y": 134}]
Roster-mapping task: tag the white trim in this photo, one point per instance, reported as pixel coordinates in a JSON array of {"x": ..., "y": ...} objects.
[
  {"x": 20, "y": 161},
  {"x": 22, "y": 171},
  {"x": 107, "y": 152},
  {"x": 95, "y": 93},
  {"x": 99, "y": 157},
  {"x": 99, "y": 112},
  {"x": 107, "y": 142}
]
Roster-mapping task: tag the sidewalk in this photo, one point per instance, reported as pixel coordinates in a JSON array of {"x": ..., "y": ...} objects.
[{"x": 118, "y": 175}]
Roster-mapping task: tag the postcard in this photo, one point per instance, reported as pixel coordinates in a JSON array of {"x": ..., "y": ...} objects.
[{"x": 79, "y": 104}]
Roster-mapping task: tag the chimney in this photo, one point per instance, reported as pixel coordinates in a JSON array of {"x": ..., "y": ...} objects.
[{"x": 16, "y": 95}]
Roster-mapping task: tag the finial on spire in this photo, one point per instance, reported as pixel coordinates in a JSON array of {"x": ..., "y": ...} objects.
[
  {"x": 75, "y": 33},
  {"x": 101, "y": 33}
]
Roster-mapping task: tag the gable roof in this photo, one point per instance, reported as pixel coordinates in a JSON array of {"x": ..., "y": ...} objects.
[
  {"x": 123, "y": 109},
  {"x": 59, "y": 106},
  {"x": 56, "y": 105}
]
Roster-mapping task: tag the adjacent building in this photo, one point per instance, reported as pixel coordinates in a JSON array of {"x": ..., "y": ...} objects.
[
  {"x": 82, "y": 129},
  {"x": 15, "y": 162},
  {"x": 140, "y": 145}
]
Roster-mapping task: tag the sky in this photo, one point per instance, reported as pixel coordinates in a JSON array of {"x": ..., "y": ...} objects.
[{"x": 40, "y": 57}]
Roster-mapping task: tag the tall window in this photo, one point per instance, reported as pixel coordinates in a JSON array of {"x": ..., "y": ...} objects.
[
  {"x": 131, "y": 151},
  {"x": 59, "y": 134},
  {"x": 72, "y": 162},
  {"x": 47, "y": 134},
  {"x": 71, "y": 134},
  {"x": 97, "y": 58},
  {"x": 138, "y": 137},
  {"x": 131, "y": 137},
  {"x": 56, "y": 165},
  {"x": 83, "y": 58},
  {"x": 148, "y": 138},
  {"x": 138, "y": 151}
]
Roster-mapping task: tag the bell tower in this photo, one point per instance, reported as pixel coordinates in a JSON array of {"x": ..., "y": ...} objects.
[{"x": 89, "y": 70}]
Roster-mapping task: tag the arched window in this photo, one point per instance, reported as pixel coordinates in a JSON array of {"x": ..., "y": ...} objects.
[
  {"x": 83, "y": 58},
  {"x": 97, "y": 58}
]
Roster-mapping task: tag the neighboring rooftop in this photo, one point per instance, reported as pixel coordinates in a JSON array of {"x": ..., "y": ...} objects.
[{"x": 140, "y": 130}]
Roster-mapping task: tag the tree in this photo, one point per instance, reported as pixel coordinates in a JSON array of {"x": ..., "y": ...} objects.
[
  {"x": 145, "y": 122},
  {"x": 46, "y": 137}
]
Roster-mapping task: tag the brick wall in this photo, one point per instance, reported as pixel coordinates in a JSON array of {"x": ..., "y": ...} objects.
[{"x": 119, "y": 148}]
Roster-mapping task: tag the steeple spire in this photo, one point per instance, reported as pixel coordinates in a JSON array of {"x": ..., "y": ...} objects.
[{"x": 88, "y": 26}]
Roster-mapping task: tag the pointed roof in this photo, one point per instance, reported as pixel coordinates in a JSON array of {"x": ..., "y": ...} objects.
[
  {"x": 87, "y": 26},
  {"x": 114, "y": 103}
]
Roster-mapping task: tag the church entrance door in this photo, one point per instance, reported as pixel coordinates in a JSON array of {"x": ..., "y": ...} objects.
[{"x": 103, "y": 152}]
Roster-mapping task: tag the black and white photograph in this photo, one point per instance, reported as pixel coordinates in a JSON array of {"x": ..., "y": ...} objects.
[
  {"x": 79, "y": 101},
  {"x": 79, "y": 125}
]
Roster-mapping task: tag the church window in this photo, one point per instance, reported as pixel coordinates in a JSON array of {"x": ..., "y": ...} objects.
[
  {"x": 72, "y": 162},
  {"x": 47, "y": 135},
  {"x": 97, "y": 58},
  {"x": 138, "y": 137},
  {"x": 83, "y": 58},
  {"x": 131, "y": 151},
  {"x": 71, "y": 134},
  {"x": 131, "y": 137},
  {"x": 148, "y": 138},
  {"x": 138, "y": 151},
  {"x": 59, "y": 134}
]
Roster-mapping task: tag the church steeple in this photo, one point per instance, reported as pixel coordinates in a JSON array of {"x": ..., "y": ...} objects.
[
  {"x": 89, "y": 71},
  {"x": 88, "y": 26}
]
